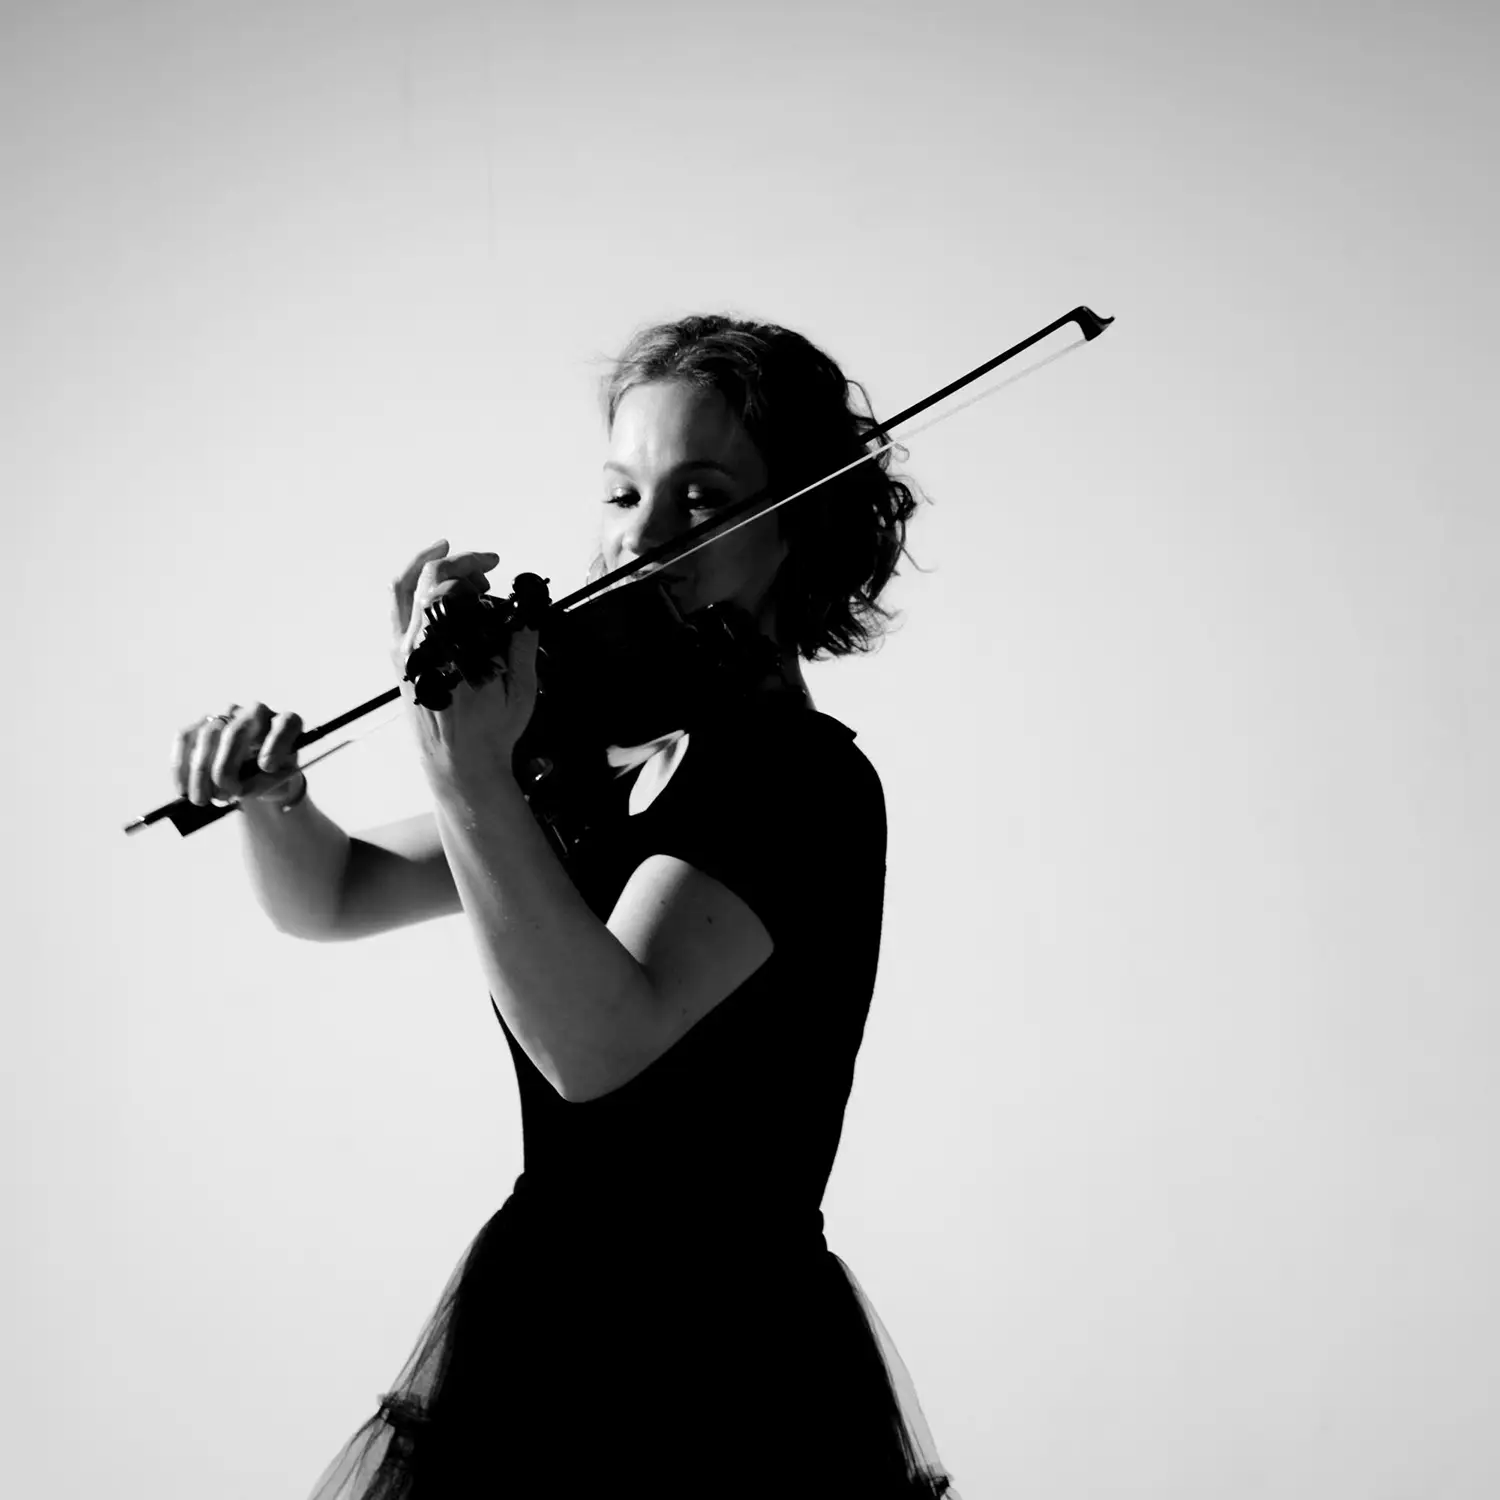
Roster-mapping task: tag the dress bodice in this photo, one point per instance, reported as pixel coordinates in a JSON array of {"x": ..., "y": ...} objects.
[{"x": 735, "y": 1127}]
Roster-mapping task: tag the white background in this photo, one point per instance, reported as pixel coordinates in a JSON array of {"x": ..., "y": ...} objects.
[{"x": 1170, "y": 1163}]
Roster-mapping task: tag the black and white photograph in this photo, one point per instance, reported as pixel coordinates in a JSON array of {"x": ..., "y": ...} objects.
[{"x": 752, "y": 750}]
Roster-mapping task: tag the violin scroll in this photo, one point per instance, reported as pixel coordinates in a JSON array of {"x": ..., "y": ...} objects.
[{"x": 468, "y": 635}]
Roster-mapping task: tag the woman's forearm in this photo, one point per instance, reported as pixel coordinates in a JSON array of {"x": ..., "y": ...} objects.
[
  {"x": 573, "y": 995},
  {"x": 297, "y": 861}
]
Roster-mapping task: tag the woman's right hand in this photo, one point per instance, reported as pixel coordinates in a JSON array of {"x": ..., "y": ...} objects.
[{"x": 208, "y": 756}]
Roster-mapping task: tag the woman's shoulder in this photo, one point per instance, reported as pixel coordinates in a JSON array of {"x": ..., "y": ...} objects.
[{"x": 788, "y": 739}]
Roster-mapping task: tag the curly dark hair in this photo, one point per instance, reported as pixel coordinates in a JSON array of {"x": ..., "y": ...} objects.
[{"x": 846, "y": 537}]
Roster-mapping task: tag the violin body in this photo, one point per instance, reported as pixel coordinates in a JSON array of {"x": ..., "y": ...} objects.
[{"x": 628, "y": 669}]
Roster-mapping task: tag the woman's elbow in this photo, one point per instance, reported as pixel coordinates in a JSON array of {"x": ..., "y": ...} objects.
[{"x": 311, "y": 926}]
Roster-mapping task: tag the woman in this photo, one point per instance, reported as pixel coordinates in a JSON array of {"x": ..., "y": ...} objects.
[{"x": 653, "y": 1309}]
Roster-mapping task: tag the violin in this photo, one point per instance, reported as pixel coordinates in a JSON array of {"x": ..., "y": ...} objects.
[
  {"x": 617, "y": 662},
  {"x": 625, "y": 671}
]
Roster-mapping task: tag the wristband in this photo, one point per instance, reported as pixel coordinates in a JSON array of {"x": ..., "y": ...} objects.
[{"x": 295, "y": 798}]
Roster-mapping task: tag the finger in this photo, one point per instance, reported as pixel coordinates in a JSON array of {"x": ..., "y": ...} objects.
[
  {"x": 200, "y": 762},
  {"x": 473, "y": 565},
  {"x": 279, "y": 752},
  {"x": 188, "y": 740},
  {"x": 443, "y": 576},
  {"x": 404, "y": 587},
  {"x": 468, "y": 562},
  {"x": 238, "y": 743},
  {"x": 182, "y": 756},
  {"x": 429, "y": 594},
  {"x": 522, "y": 661}
]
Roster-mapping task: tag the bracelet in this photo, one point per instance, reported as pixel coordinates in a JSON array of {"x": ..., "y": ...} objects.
[{"x": 296, "y": 797}]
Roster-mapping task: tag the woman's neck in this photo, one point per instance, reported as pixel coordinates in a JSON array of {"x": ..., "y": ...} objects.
[{"x": 787, "y": 678}]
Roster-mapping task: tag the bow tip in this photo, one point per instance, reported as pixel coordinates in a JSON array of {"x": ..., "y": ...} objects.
[{"x": 1090, "y": 323}]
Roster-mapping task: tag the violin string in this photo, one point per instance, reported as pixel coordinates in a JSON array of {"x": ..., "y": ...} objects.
[{"x": 889, "y": 443}]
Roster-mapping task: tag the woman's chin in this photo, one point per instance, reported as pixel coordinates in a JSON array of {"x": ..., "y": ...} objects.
[{"x": 683, "y": 594}]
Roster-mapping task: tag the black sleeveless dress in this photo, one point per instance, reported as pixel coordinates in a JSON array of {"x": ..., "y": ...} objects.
[{"x": 654, "y": 1309}]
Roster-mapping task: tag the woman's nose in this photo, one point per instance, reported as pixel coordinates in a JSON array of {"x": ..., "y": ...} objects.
[{"x": 652, "y": 523}]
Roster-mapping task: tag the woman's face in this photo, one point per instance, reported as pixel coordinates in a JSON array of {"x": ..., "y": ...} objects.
[{"x": 678, "y": 455}]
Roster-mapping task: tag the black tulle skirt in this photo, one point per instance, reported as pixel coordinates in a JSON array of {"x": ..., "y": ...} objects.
[{"x": 571, "y": 1361}]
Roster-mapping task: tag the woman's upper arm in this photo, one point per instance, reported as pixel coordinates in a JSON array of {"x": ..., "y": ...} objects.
[
  {"x": 696, "y": 941},
  {"x": 396, "y": 875}
]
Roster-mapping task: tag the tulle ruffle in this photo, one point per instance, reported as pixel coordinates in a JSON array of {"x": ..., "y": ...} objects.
[{"x": 596, "y": 1369}]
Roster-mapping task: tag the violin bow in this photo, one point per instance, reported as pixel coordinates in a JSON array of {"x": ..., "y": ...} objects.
[{"x": 187, "y": 817}]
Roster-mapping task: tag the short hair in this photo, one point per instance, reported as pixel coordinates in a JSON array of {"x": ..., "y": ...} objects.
[{"x": 843, "y": 539}]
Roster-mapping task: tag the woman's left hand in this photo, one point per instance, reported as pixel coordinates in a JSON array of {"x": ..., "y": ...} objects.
[{"x": 476, "y": 734}]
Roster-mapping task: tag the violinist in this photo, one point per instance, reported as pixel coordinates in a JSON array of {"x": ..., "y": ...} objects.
[{"x": 653, "y": 1309}]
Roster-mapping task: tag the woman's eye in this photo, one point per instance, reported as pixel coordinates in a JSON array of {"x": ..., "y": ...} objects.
[{"x": 626, "y": 499}]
